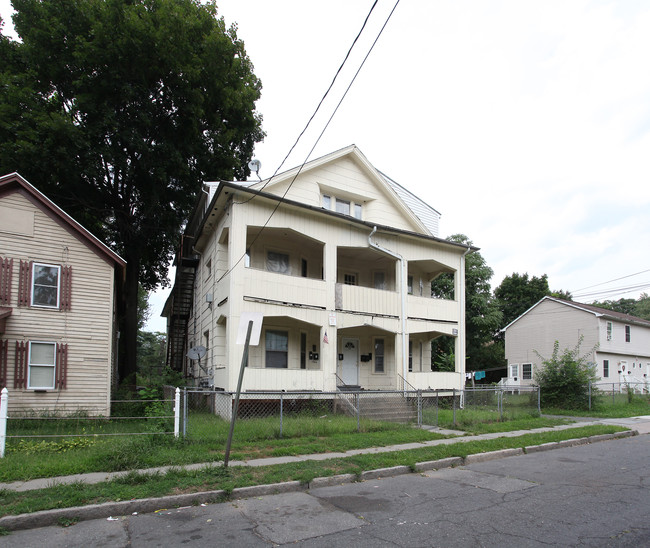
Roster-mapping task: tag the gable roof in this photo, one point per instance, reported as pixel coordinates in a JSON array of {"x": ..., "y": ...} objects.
[
  {"x": 595, "y": 310},
  {"x": 14, "y": 182},
  {"x": 417, "y": 211}
]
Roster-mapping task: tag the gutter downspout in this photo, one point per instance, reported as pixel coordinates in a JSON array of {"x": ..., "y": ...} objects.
[{"x": 403, "y": 291}]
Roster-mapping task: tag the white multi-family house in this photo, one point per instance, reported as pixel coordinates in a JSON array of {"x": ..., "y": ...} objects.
[
  {"x": 57, "y": 306},
  {"x": 618, "y": 344},
  {"x": 338, "y": 259}
]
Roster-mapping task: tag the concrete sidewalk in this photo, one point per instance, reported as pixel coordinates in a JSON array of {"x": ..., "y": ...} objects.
[{"x": 640, "y": 424}]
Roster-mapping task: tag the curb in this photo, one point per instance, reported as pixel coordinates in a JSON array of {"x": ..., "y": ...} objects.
[{"x": 46, "y": 518}]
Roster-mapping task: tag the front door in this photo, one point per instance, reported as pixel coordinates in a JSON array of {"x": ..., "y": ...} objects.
[{"x": 350, "y": 363}]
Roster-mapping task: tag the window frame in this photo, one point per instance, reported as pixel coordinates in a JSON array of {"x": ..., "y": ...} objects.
[
  {"x": 51, "y": 366},
  {"x": 605, "y": 369},
  {"x": 379, "y": 358},
  {"x": 266, "y": 349},
  {"x": 527, "y": 376},
  {"x": 33, "y": 286},
  {"x": 286, "y": 272},
  {"x": 609, "y": 329},
  {"x": 628, "y": 333},
  {"x": 514, "y": 370}
]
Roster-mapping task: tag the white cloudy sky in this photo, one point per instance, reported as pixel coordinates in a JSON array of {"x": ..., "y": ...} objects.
[{"x": 525, "y": 123}]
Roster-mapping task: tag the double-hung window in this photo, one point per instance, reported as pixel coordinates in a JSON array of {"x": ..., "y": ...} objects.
[
  {"x": 277, "y": 349},
  {"x": 526, "y": 371},
  {"x": 609, "y": 331},
  {"x": 605, "y": 368},
  {"x": 42, "y": 365},
  {"x": 514, "y": 370},
  {"x": 628, "y": 333},
  {"x": 45, "y": 285}
]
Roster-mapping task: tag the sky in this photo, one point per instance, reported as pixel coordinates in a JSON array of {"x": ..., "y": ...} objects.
[{"x": 526, "y": 124}]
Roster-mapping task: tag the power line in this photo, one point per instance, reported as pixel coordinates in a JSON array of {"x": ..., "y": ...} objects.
[
  {"x": 280, "y": 201},
  {"x": 320, "y": 103},
  {"x": 614, "y": 280}
]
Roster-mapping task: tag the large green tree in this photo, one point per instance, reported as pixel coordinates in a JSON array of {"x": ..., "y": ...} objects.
[
  {"x": 518, "y": 292},
  {"x": 118, "y": 110},
  {"x": 482, "y": 316}
]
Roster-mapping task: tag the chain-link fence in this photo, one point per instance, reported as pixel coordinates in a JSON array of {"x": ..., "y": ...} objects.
[
  {"x": 609, "y": 394},
  {"x": 292, "y": 414}
]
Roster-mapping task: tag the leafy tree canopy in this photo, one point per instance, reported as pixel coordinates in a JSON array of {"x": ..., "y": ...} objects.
[
  {"x": 118, "y": 110},
  {"x": 518, "y": 292},
  {"x": 482, "y": 317},
  {"x": 624, "y": 306}
]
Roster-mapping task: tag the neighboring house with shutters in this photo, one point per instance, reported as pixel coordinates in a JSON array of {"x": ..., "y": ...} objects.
[
  {"x": 339, "y": 259},
  {"x": 618, "y": 344},
  {"x": 57, "y": 306}
]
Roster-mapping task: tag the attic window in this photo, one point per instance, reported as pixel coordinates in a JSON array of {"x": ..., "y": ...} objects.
[{"x": 340, "y": 205}]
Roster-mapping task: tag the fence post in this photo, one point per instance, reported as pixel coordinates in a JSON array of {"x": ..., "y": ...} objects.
[
  {"x": 437, "y": 406},
  {"x": 420, "y": 408},
  {"x": 501, "y": 404},
  {"x": 4, "y": 403},
  {"x": 453, "y": 402},
  {"x": 358, "y": 406},
  {"x": 613, "y": 395},
  {"x": 185, "y": 407},
  {"x": 589, "y": 390},
  {"x": 177, "y": 411},
  {"x": 281, "y": 409}
]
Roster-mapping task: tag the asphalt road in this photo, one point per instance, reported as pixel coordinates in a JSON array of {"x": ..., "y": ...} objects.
[{"x": 588, "y": 495}]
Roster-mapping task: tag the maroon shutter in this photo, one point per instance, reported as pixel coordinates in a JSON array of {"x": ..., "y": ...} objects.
[
  {"x": 61, "y": 366},
  {"x": 25, "y": 283},
  {"x": 6, "y": 270},
  {"x": 4, "y": 346},
  {"x": 20, "y": 369},
  {"x": 66, "y": 287}
]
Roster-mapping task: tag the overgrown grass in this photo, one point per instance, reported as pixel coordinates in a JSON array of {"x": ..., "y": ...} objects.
[
  {"x": 135, "y": 485},
  {"x": 606, "y": 406},
  {"x": 206, "y": 442}
]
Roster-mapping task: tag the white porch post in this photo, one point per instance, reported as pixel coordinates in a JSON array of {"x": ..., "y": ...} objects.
[{"x": 4, "y": 403}]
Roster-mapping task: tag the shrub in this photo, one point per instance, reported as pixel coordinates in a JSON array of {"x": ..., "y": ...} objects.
[{"x": 564, "y": 378}]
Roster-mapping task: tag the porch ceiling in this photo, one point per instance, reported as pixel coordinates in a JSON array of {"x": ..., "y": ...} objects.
[
  {"x": 367, "y": 255},
  {"x": 273, "y": 320},
  {"x": 432, "y": 268},
  {"x": 363, "y": 328},
  {"x": 279, "y": 236}
]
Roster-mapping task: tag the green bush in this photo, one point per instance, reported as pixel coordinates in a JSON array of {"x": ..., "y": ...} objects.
[{"x": 564, "y": 378}]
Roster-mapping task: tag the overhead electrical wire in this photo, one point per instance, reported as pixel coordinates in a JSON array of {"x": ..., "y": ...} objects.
[
  {"x": 280, "y": 201},
  {"x": 614, "y": 280},
  {"x": 320, "y": 103}
]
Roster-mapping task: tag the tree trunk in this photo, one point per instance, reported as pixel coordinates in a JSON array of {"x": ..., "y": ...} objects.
[{"x": 128, "y": 300}]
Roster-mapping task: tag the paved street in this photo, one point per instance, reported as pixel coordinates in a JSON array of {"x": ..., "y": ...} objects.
[{"x": 589, "y": 495}]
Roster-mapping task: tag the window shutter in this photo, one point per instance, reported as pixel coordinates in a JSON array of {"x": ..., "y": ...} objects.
[
  {"x": 61, "y": 366},
  {"x": 20, "y": 369},
  {"x": 66, "y": 288},
  {"x": 25, "y": 283},
  {"x": 4, "y": 346},
  {"x": 6, "y": 270}
]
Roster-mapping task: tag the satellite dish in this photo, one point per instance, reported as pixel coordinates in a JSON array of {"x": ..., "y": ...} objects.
[
  {"x": 255, "y": 165},
  {"x": 196, "y": 353}
]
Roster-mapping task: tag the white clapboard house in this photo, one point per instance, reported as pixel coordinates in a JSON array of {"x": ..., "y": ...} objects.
[{"x": 338, "y": 259}]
